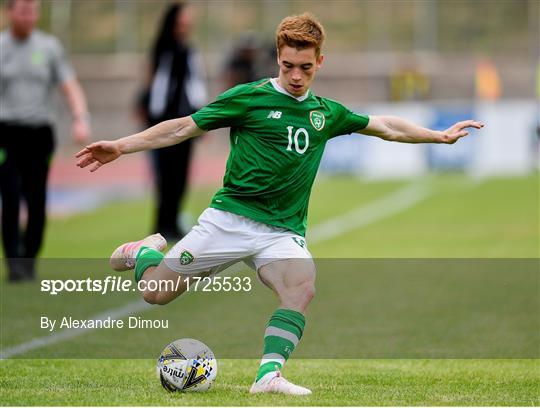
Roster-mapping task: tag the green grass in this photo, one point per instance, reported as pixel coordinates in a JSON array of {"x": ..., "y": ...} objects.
[
  {"x": 460, "y": 219},
  {"x": 496, "y": 218},
  {"x": 382, "y": 313},
  {"x": 335, "y": 383}
]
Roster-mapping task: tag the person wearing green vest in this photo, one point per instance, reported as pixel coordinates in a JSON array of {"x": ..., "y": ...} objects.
[{"x": 278, "y": 131}]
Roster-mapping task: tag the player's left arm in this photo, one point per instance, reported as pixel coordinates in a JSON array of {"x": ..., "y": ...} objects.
[
  {"x": 399, "y": 130},
  {"x": 76, "y": 100}
]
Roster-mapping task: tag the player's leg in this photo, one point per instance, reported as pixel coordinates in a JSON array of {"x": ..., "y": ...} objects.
[
  {"x": 208, "y": 248},
  {"x": 171, "y": 166},
  {"x": 293, "y": 281},
  {"x": 34, "y": 174},
  {"x": 10, "y": 195},
  {"x": 156, "y": 292},
  {"x": 175, "y": 181},
  {"x": 160, "y": 284}
]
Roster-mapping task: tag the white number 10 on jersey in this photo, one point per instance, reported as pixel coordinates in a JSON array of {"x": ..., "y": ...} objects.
[{"x": 300, "y": 131}]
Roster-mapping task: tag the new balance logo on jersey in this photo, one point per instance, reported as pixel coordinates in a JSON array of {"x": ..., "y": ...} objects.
[{"x": 274, "y": 115}]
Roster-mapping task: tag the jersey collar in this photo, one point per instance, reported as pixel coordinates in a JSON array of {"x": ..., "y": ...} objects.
[{"x": 282, "y": 90}]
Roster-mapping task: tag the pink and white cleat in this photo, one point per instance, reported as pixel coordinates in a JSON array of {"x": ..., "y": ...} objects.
[
  {"x": 277, "y": 384},
  {"x": 123, "y": 257}
]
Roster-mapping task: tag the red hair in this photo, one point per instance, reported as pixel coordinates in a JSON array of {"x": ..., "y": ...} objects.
[{"x": 300, "y": 32}]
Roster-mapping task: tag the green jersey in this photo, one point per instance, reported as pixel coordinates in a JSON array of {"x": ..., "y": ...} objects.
[{"x": 277, "y": 141}]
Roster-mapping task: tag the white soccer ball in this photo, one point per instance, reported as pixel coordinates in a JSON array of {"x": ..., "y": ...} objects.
[{"x": 187, "y": 365}]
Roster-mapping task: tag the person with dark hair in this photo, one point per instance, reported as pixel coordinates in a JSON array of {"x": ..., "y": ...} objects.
[
  {"x": 242, "y": 66},
  {"x": 250, "y": 60},
  {"x": 174, "y": 88},
  {"x": 32, "y": 65}
]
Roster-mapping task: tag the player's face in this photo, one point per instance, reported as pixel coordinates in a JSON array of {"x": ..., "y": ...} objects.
[
  {"x": 297, "y": 69},
  {"x": 182, "y": 25},
  {"x": 23, "y": 16}
]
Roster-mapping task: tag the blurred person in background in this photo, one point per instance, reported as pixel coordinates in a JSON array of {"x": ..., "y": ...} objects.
[
  {"x": 488, "y": 85},
  {"x": 32, "y": 64},
  {"x": 249, "y": 61},
  {"x": 173, "y": 89},
  {"x": 409, "y": 83}
]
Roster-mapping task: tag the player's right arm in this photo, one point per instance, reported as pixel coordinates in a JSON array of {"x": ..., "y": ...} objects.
[{"x": 163, "y": 134}]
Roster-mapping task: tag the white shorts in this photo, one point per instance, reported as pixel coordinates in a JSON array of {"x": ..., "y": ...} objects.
[{"x": 221, "y": 239}]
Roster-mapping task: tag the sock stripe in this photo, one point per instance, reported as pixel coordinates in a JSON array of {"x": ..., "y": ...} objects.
[
  {"x": 286, "y": 324},
  {"x": 145, "y": 250},
  {"x": 273, "y": 358},
  {"x": 281, "y": 337},
  {"x": 146, "y": 257},
  {"x": 128, "y": 247},
  {"x": 277, "y": 332}
]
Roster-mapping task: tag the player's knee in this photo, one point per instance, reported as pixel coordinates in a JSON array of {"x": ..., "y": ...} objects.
[
  {"x": 310, "y": 292},
  {"x": 300, "y": 298},
  {"x": 155, "y": 297},
  {"x": 149, "y": 297}
]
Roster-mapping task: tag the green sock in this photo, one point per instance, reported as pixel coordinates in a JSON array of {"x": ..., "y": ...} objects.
[
  {"x": 283, "y": 332},
  {"x": 146, "y": 257}
]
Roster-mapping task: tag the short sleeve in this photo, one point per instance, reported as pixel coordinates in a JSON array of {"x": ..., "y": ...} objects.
[
  {"x": 347, "y": 121},
  {"x": 229, "y": 109},
  {"x": 61, "y": 68}
]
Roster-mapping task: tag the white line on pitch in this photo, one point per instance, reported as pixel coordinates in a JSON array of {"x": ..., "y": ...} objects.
[
  {"x": 384, "y": 207},
  {"x": 39, "y": 342}
]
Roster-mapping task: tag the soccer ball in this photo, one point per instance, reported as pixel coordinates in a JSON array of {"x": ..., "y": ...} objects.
[{"x": 187, "y": 365}]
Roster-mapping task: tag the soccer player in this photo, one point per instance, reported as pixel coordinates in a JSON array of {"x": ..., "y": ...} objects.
[{"x": 278, "y": 132}]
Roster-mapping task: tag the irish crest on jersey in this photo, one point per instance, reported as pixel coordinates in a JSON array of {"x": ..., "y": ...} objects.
[
  {"x": 279, "y": 135},
  {"x": 186, "y": 258},
  {"x": 317, "y": 120}
]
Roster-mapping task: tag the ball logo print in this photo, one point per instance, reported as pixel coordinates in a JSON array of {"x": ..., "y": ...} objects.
[
  {"x": 198, "y": 372},
  {"x": 187, "y": 365},
  {"x": 317, "y": 120}
]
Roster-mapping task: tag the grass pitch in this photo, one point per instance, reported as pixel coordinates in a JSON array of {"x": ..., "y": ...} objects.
[
  {"x": 334, "y": 383},
  {"x": 458, "y": 219}
]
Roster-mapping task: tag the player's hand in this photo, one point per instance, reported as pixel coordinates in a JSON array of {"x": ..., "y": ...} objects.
[
  {"x": 97, "y": 154},
  {"x": 81, "y": 131},
  {"x": 459, "y": 130}
]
